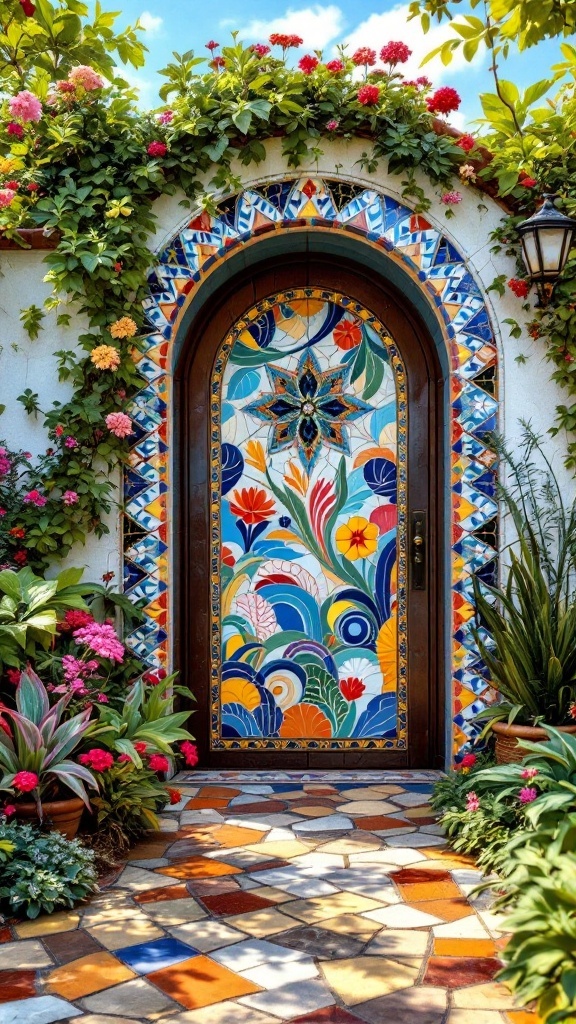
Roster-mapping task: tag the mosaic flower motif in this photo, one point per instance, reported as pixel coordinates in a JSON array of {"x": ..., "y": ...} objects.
[
  {"x": 307, "y": 409},
  {"x": 357, "y": 538}
]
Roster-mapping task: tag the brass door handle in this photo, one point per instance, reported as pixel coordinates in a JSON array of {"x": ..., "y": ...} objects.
[{"x": 418, "y": 550}]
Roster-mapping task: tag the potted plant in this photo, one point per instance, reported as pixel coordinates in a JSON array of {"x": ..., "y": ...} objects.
[
  {"x": 35, "y": 757},
  {"x": 526, "y": 627}
]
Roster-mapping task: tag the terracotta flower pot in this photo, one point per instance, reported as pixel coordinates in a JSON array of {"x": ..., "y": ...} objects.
[
  {"x": 62, "y": 815},
  {"x": 507, "y": 736}
]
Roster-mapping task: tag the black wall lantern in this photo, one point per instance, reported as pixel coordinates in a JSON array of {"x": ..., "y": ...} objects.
[{"x": 546, "y": 240}]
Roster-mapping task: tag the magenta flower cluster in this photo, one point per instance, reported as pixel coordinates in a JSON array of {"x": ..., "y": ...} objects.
[{"x": 100, "y": 638}]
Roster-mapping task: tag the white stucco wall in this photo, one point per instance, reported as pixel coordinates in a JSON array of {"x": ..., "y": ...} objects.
[{"x": 525, "y": 389}]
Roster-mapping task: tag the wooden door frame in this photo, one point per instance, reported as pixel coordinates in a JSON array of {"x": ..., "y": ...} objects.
[{"x": 426, "y": 441}]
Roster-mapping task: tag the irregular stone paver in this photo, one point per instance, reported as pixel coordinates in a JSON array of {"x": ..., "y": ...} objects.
[{"x": 273, "y": 898}]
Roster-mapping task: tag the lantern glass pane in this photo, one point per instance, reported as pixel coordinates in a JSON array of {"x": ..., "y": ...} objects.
[
  {"x": 530, "y": 254},
  {"x": 552, "y": 248}
]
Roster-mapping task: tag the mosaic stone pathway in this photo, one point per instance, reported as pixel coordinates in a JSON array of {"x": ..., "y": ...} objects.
[{"x": 267, "y": 898}]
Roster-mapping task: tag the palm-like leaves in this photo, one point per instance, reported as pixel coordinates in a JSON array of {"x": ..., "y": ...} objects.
[
  {"x": 42, "y": 742},
  {"x": 144, "y": 719}
]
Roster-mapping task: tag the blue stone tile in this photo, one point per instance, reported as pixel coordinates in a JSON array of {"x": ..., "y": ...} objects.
[{"x": 153, "y": 956}]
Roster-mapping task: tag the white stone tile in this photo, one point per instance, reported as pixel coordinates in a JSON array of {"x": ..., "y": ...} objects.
[
  {"x": 39, "y": 1010},
  {"x": 415, "y": 840},
  {"x": 26, "y": 954},
  {"x": 401, "y": 916},
  {"x": 396, "y": 858},
  {"x": 139, "y": 880},
  {"x": 466, "y": 928},
  {"x": 277, "y": 975},
  {"x": 393, "y": 942},
  {"x": 203, "y": 816},
  {"x": 331, "y": 823},
  {"x": 228, "y": 1012},
  {"x": 254, "y": 952},
  {"x": 291, "y": 1000},
  {"x": 206, "y": 935}
]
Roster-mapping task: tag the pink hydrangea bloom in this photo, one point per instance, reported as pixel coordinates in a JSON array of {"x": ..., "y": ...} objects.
[
  {"x": 165, "y": 117},
  {"x": 35, "y": 498},
  {"x": 70, "y": 497},
  {"x": 71, "y": 442},
  {"x": 119, "y": 424},
  {"x": 260, "y": 49},
  {"x": 472, "y": 802},
  {"x": 5, "y": 463},
  {"x": 86, "y": 77},
  {"x": 451, "y": 198},
  {"x": 157, "y": 149},
  {"x": 25, "y": 106},
  {"x": 332, "y": 125},
  {"x": 529, "y": 773},
  {"x": 100, "y": 638},
  {"x": 7, "y": 195},
  {"x": 527, "y": 795}
]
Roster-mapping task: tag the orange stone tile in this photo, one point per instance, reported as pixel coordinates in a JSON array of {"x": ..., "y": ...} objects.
[
  {"x": 379, "y": 823},
  {"x": 201, "y": 982},
  {"x": 199, "y": 867},
  {"x": 218, "y": 791},
  {"x": 147, "y": 851},
  {"x": 448, "y": 910},
  {"x": 448, "y": 858},
  {"x": 168, "y": 892},
  {"x": 236, "y": 835},
  {"x": 522, "y": 1017},
  {"x": 464, "y": 947},
  {"x": 419, "y": 891},
  {"x": 200, "y": 803},
  {"x": 87, "y": 975}
]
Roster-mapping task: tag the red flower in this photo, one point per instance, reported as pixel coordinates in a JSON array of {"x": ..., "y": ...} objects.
[
  {"x": 154, "y": 678},
  {"x": 118, "y": 266},
  {"x": 17, "y": 531},
  {"x": 74, "y": 619},
  {"x": 347, "y": 334},
  {"x": 3, "y": 723},
  {"x": 526, "y": 182},
  {"x": 20, "y": 557},
  {"x": 572, "y": 710},
  {"x": 32, "y": 186},
  {"x": 395, "y": 53},
  {"x": 190, "y": 752},
  {"x": 13, "y": 675},
  {"x": 124, "y": 759},
  {"x": 284, "y": 40},
  {"x": 97, "y": 759},
  {"x": 157, "y": 149},
  {"x": 466, "y": 142},
  {"x": 159, "y": 763},
  {"x": 211, "y": 45},
  {"x": 260, "y": 49},
  {"x": 217, "y": 62},
  {"x": 107, "y": 576},
  {"x": 25, "y": 781},
  {"x": 335, "y": 66},
  {"x": 468, "y": 761},
  {"x": 140, "y": 747},
  {"x": 13, "y": 128},
  {"x": 175, "y": 795},
  {"x": 368, "y": 95},
  {"x": 59, "y": 430},
  {"x": 519, "y": 287},
  {"x": 9, "y": 810},
  {"x": 252, "y": 505},
  {"x": 28, "y": 7},
  {"x": 227, "y": 556},
  {"x": 443, "y": 101},
  {"x": 364, "y": 56},
  {"x": 14, "y": 185},
  {"x": 307, "y": 64},
  {"x": 352, "y": 688}
]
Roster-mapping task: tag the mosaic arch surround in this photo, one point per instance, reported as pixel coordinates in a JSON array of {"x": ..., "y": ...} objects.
[{"x": 435, "y": 263}]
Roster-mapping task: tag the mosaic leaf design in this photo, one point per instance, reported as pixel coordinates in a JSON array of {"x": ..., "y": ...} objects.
[{"x": 322, "y": 689}]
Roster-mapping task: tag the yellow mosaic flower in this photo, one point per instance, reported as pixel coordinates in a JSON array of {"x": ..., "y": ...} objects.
[
  {"x": 105, "y": 357},
  {"x": 123, "y": 328},
  {"x": 357, "y": 538},
  {"x": 255, "y": 456}
]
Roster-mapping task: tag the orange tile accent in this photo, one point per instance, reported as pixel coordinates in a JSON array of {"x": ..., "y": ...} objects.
[
  {"x": 379, "y": 822},
  {"x": 235, "y": 835},
  {"x": 415, "y": 893},
  {"x": 210, "y": 803},
  {"x": 523, "y": 1017},
  {"x": 201, "y": 982},
  {"x": 86, "y": 975},
  {"x": 465, "y": 947},
  {"x": 199, "y": 867},
  {"x": 448, "y": 857},
  {"x": 168, "y": 892},
  {"x": 218, "y": 791},
  {"x": 448, "y": 910}
]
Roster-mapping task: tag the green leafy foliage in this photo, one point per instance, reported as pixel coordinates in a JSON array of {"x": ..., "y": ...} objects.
[
  {"x": 42, "y": 873},
  {"x": 29, "y": 610},
  {"x": 147, "y": 716},
  {"x": 127, "y": 802}
]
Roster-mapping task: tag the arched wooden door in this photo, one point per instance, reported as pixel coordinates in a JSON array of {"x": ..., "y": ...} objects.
[{"x": 310, "y": 592}]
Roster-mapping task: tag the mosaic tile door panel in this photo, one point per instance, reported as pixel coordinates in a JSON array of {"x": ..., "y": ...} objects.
[{"x": 310, "y": 460}]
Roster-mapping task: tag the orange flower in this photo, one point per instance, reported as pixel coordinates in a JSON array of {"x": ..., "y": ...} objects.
[
  {"x": 347, "y": 335},
  {"x": 105, "y": 357},
  {"x": 252, "y": 505},
  {"x": 123, "y": 328},
  {"x": 357, "y": 538}
]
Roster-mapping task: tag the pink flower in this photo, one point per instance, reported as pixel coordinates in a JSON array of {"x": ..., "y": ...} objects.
[
  {"x": 140, "y": 747},
  {"x": 70, "y": 497},
  {"x": 451, "y": 198},
  {"x": 443, "y": 101},
  {"x": 9, "y": 810},
  {"x": 25, "y": 781},
  {"x": 159, "y": 763},
  {"x": 368, "y": 95},
  {"x": 7, "y": 196},
  {"x": 102, "y": 698},
  {"x": 529, "y": 773},
  {"x": 211, "y": 45},
  {"x": 157, "y": 149},
  {"x": 97, "y": 759},
  {"x": 71, "y": 442},
  {"x": 5, "y": 463},
  {"x": 335, "y": 66},
  {"x": 34, "y": 498},
  {"x": 364, "y": 56},
  {"x": 307, "y": 64},
  {"x": 85, "y": 77},
  {"x": 119, "y": 424},
  {"x": 25, "y": 106},
  {"x": 2, "y": 512},
  {"x": 100, "y": 638},
  {"x": 165, "y": 117},
  {"x": 124, "y": 758},
  {"x": 472, "y": 802},
  {"x": 332, "y": 125},
  {"x": 468, "y": 761},
  {"x": 466, "y": 142},
  {"x": 190, "y": 752},
  {"x": 527, "y": 795},
  {"x": 260, "y": 49},
  {"x": 395, "y": 53},
  {"x": 13, "y": 128}
]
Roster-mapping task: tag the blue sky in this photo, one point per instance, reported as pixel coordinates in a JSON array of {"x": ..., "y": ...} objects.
[{"x": 188, "y": 24}]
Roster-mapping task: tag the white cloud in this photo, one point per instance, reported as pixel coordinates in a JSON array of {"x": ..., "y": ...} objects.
[
  {"x": 379, "y": 29},
  {"x": 151, "y": 22},
  {"x": 147, "y": 88},
  {"x": 317, "y": 25}
]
